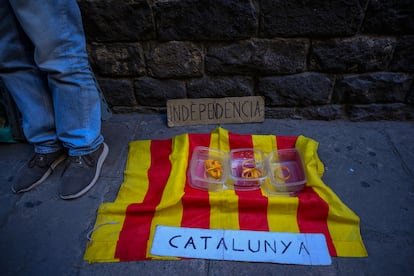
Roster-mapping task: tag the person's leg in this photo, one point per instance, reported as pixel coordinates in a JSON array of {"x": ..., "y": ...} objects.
[
  {"x": 55, "y": 29},
  {"x": 26, "y": 84},
  {"x": 28, "y": 87}
]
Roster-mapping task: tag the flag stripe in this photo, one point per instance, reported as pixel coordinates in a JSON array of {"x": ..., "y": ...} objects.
[
  {"x": 282, "y": 210},
  {"x": 137, "y": 225},
  {"x": 224, "y": 205},
  {"x": 196, "y": 205},
  {"x": 285, "y": 142},
  {"x": 169, "y": 211},
  {"x": 344, "y": 235},
  {"x": 112, "y": 215},
  {"x": 313, "y": 215},
  {"x": 313, "y": 210},
  {"x": 138, "y": 163},
  {"x": 252, "y": 204}
]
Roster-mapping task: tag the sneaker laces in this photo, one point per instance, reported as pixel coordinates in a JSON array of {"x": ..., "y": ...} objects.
[
  {"x": 39, "y": 160},
  {"x": 79, "y": 162}
]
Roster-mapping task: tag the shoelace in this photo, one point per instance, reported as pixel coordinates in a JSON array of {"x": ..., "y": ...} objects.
[
  {"x": 78, "y": 161},
  {"x": 39, "y": 160}
]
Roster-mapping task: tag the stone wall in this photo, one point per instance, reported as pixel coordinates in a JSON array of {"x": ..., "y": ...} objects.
[{"x": 311, "y": 59}]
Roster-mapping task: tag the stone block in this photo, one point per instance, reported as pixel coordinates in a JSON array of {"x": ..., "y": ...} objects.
[
  {"x": 410, "y": 96},
  {"x": 403, "y": 58},
  {"x": 174, "y": 59},
  {"x": 319, "y": 112},
  {"x": 322, "y": 112},
  {"x": 212, "y": 87},
  {"x": 374, "y": 112},
  {"x": 205, "y": 20},
  {"x": 380, "y": 87},
  {"x": 280, "y": 112},
  {"x": 117, "y": 59},
  {"x": 355, "y": 54},
  {"x": 296, "y": 90},
  {"x": 258, "y": 56},
  {"x": 391, "y": 17},
  {"x": 312, "y": 18},
  {"x": 118, "y": 92},
  {"x": 115, "y": 20},
  {"x": 155, "y": 92}
]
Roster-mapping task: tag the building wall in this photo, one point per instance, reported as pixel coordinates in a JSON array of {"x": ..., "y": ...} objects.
[{"x": 311, "y": 59}]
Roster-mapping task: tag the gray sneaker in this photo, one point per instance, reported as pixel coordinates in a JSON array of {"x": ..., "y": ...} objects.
[
  {"x": 81, "y": 173},
  {"x": 37, "y": 170}
]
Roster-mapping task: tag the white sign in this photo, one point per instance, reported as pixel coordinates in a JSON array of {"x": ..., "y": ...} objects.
[{"x": 240, "y": 245}]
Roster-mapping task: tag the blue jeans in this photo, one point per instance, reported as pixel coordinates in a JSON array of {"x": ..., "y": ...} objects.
[{"x": 44, "y": 65}]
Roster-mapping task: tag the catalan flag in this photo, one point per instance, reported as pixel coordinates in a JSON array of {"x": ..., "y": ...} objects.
[{"x": 156, "y": 191}]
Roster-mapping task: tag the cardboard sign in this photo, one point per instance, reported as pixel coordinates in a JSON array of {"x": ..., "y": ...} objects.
[
  {"x": 182, "y": 112},
  {"x": 240, "y": 245}
]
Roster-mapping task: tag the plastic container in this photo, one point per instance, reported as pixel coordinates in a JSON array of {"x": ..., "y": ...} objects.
[
  {"x": 247, "y": 169},
  {"x": 286, "y": 172},
  {"x": 200, "y": 176}
]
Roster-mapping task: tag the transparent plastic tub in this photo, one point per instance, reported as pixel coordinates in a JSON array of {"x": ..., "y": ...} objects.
[
  {"x": 286, "y": 172},
  {"x": 208, "y": 169},
  {"x": 247, "y": 169}
]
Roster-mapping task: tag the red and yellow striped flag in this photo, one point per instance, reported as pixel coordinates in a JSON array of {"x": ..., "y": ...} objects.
[{"x": 155, "y": 192}]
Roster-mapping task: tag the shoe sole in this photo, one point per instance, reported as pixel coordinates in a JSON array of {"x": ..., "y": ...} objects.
[
  {"x": 54, "y": 164},
  {"x": 99, "y": 164}
]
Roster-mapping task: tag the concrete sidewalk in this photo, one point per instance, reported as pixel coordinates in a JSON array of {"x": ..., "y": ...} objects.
[{"x": 369, "y": 165}]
